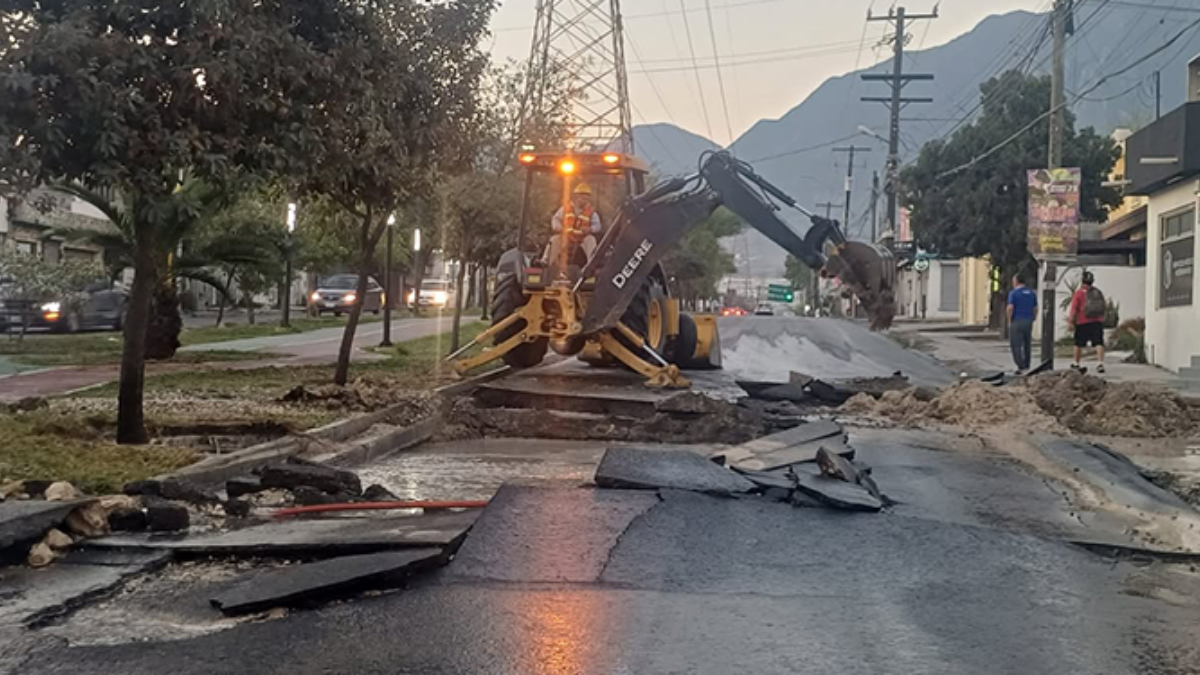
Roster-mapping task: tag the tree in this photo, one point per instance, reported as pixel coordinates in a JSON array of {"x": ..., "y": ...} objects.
[
  {"x": 416, "y": 68},
  {"x": 699, "y": 262},
  {"x": 982, "y": 209},
  {"x": 114, "y": 94}
]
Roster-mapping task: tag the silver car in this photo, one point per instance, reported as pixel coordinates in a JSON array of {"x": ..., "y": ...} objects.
[{"x": 339, "y": 293}]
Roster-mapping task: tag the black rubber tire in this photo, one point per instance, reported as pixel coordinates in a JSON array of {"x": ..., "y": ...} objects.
[
  {"x": 637, "y": 315},
  {"x": 508, "y": 298},
  {"x": 685, "y": 343}
]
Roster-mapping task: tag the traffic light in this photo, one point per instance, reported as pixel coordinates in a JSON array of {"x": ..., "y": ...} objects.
[{"x": 789, "y": 296}]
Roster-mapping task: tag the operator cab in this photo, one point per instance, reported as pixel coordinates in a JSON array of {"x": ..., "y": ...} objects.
[{"x": 572, "y": 200}]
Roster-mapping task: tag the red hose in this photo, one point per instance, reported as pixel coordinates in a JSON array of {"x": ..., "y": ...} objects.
[{"x": 380, "y": 506}]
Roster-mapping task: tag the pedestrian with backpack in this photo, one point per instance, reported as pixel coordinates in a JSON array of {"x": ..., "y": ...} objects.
[{"x": 1086, "y": 317}]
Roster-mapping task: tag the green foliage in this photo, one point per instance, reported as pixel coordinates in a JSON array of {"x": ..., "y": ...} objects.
[
  {"x": 982, "y": 210},
  {"x": 699, "y": 262},
  {"x": 1129, "y": 336},
  {"x": 25, "y": 277}
]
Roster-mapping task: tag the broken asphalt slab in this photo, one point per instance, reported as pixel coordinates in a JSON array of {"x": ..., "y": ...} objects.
[
  {"x": 549, "y": 534},
  {"x": 33, "y": 597},
  {"x": 648, "y": 469},
  {"x": 1120, "y": 478},
  {"x": 836, "y": 493},
  {"x": 25, "y": 520},
  {"x": 332, "y": 536},
  {"x": 311, "y": 582},
  {"x": 796, "y": 445}
]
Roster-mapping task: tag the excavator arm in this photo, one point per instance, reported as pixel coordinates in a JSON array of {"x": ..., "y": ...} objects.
[{"x": 652, "y": 223}]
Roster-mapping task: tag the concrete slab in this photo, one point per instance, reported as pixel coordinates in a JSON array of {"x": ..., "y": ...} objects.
[
  {"x": 548, "y": 534},
  {"x": 334, "y": 536},
  {"x": 640, "y": 468},
  {"x": 767, "y": 348},
  {"x": 834, "y": 492},
  {"x": 310, "y": 582},
  {"x": 25, "y": 520},
  {"x": 796, "y": 445},
  {"x": 32, "y": 597}
]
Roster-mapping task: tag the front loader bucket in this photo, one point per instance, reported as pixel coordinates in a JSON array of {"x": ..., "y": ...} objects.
[{"x": 870, "y": 271}]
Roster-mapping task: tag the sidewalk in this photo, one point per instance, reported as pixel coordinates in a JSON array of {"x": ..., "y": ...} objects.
[{"x": 976, "y": 352}]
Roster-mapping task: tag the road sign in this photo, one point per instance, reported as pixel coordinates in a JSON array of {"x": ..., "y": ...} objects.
[
  {"x": 921, "y": 264},
  {"x": 779, "y": 293}
]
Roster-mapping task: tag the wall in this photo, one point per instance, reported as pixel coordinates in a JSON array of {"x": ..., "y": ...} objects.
[
  {"x": 973, "y": 292},
  {"x": 1171, "y": 332},
  {"x": 1124, "y": 285},
  {"x": 912, "y": 285}
]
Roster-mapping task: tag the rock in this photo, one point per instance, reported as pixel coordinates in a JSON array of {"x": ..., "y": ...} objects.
[
  {"x": 164, "y": 516},
  {"x": 89, "y": 520},
  {"x": 242, "y": 485},
  {"x": 836, "y": 466},
  {"x": 127, "y": 519},
  {"x": 378, "y": 493},
  {"x": 237, "y": 508},
  {"x": 323, "y": 478},
  {"x": 40, "y": 555},
  {"x": 113, "y": 502},
  {"x": 305, "y": 495},
  {"x": 801, "y": 379},
  {"x": 62, "y": 491},
  {"x": 143, "y": 487},
  {"x": 184, "y": 491},
  {"x": 58, "y": 540},
  {"x": 36, "y": 488},
  {"x": 12, "y": 489}
]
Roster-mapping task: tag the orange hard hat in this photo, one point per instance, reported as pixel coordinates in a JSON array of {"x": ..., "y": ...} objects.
[{"x": 583, "y": 189}]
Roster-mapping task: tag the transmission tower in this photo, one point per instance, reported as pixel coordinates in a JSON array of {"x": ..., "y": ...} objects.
[{"x": 581, "y": 42}]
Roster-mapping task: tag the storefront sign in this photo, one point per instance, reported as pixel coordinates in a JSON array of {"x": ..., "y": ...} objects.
[
  {"x": 1177, "y": 273},
  {"x": 1054, "y": 213}
]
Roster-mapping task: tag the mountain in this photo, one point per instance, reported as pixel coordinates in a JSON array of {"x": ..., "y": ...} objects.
[
  {"x": 1106, "y": 40},
  {"x": 670, "y": 150}
]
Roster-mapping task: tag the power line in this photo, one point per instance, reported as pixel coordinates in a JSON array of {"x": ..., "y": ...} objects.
[
  {"x": 696, "y": 69},
  {"x": 653, "y": 15},
  {"x": 712, "y": 37},
  {"x": 1127, "y": 4},
  {"x": 1146, "y": 57},
  {"x": 746, "y": 62},
  {"x": 810, "y": 148}
]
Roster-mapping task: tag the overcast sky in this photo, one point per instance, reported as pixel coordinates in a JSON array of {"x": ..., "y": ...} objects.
[{"x": 787, "y": 48}]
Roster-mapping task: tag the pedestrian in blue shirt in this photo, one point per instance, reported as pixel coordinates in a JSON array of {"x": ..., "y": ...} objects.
[{"x": 1022, "y": 307}]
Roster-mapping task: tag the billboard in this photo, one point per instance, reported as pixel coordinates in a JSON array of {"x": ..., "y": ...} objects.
[{"x": 1054, "y": 213}]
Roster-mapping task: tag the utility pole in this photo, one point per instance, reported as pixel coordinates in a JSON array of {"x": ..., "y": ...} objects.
[
  {"x": 874, "y": 207},
  {"x": 1058, "y": 20},
  {"x": 850, "y": 149},
  {"x": 1157, "y": 94},
  {"x": 898, "y": 78},
  {"x": 829, "y": 207}
]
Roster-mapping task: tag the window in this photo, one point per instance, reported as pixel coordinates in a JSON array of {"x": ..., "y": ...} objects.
[
  {"x": 1177, "y": 259},
  {"x": 27, "y": 248}
]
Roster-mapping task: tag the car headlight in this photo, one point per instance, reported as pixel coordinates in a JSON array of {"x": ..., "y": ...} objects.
[
  {"x": 52, "y": 307},
  {"x": 315, "y": 297},
  {"x": 349, "y": 298},
  {"x": 439, "y": 297},
  {"x": 411, "y": 296}
]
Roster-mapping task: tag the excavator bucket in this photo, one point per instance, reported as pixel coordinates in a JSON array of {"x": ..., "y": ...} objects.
[{"x": 870, "y": 272}]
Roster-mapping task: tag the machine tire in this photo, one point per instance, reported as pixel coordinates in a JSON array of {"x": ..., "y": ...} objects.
[
  {"x": 685, "y": 342},
  {"x": 641, "y": 313},
  {"x": 508, "y": 298}
]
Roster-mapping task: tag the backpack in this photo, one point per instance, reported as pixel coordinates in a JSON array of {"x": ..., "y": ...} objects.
[{"x": 1093, "y": 303}]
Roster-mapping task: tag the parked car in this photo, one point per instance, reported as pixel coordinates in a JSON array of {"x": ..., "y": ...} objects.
[
  {"x": 339, "y": 293},
  {"x": 764, "y": 310},
  {"x": 103, "y": 308},
  {"x": 434, "y": 293}
]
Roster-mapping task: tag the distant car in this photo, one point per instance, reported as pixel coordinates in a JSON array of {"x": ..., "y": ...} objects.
[
  {"x": 733, "y": 311},
  {"x": 764, "y": 310},
  {"x": 434, "y": 293},
  {"x": 339, "y": 293},
  {"x": 103, "y": 308}
]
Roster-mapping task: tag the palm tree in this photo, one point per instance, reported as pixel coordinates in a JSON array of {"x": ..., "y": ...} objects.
[{"x": 177, "y": 256}]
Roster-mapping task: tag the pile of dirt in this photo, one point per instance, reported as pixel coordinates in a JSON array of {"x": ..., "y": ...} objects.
[
  {"x": 1092, "y": 405},
  {"x": 969, "y": 404}
]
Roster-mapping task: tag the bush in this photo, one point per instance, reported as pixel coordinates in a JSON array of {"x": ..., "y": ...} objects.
[{"x": 1129, "y": 336}]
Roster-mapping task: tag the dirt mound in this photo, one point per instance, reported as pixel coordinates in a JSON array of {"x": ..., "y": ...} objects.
[
  {"x": 969, "y": 404},
  {"x": 1092, "y": 405}
]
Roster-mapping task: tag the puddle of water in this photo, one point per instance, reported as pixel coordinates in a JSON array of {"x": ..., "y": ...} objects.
[{"x": 475, "y": 469}]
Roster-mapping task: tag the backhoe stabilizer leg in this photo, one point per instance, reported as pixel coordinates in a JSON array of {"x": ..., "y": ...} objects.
[
  {"x": 658, "y": 377},
  {"x": 487, "y": 334},
  {"x": 464, "y": 366}
]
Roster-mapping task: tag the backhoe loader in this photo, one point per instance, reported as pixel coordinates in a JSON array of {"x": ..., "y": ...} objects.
[{"x": 614, "y": 305}]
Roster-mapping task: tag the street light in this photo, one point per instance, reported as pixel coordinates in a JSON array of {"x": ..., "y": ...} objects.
[
  {"x": 387, "y": 286},
  {"x": 864, "y": 129},
  {"x": 287, "y": 266}
]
